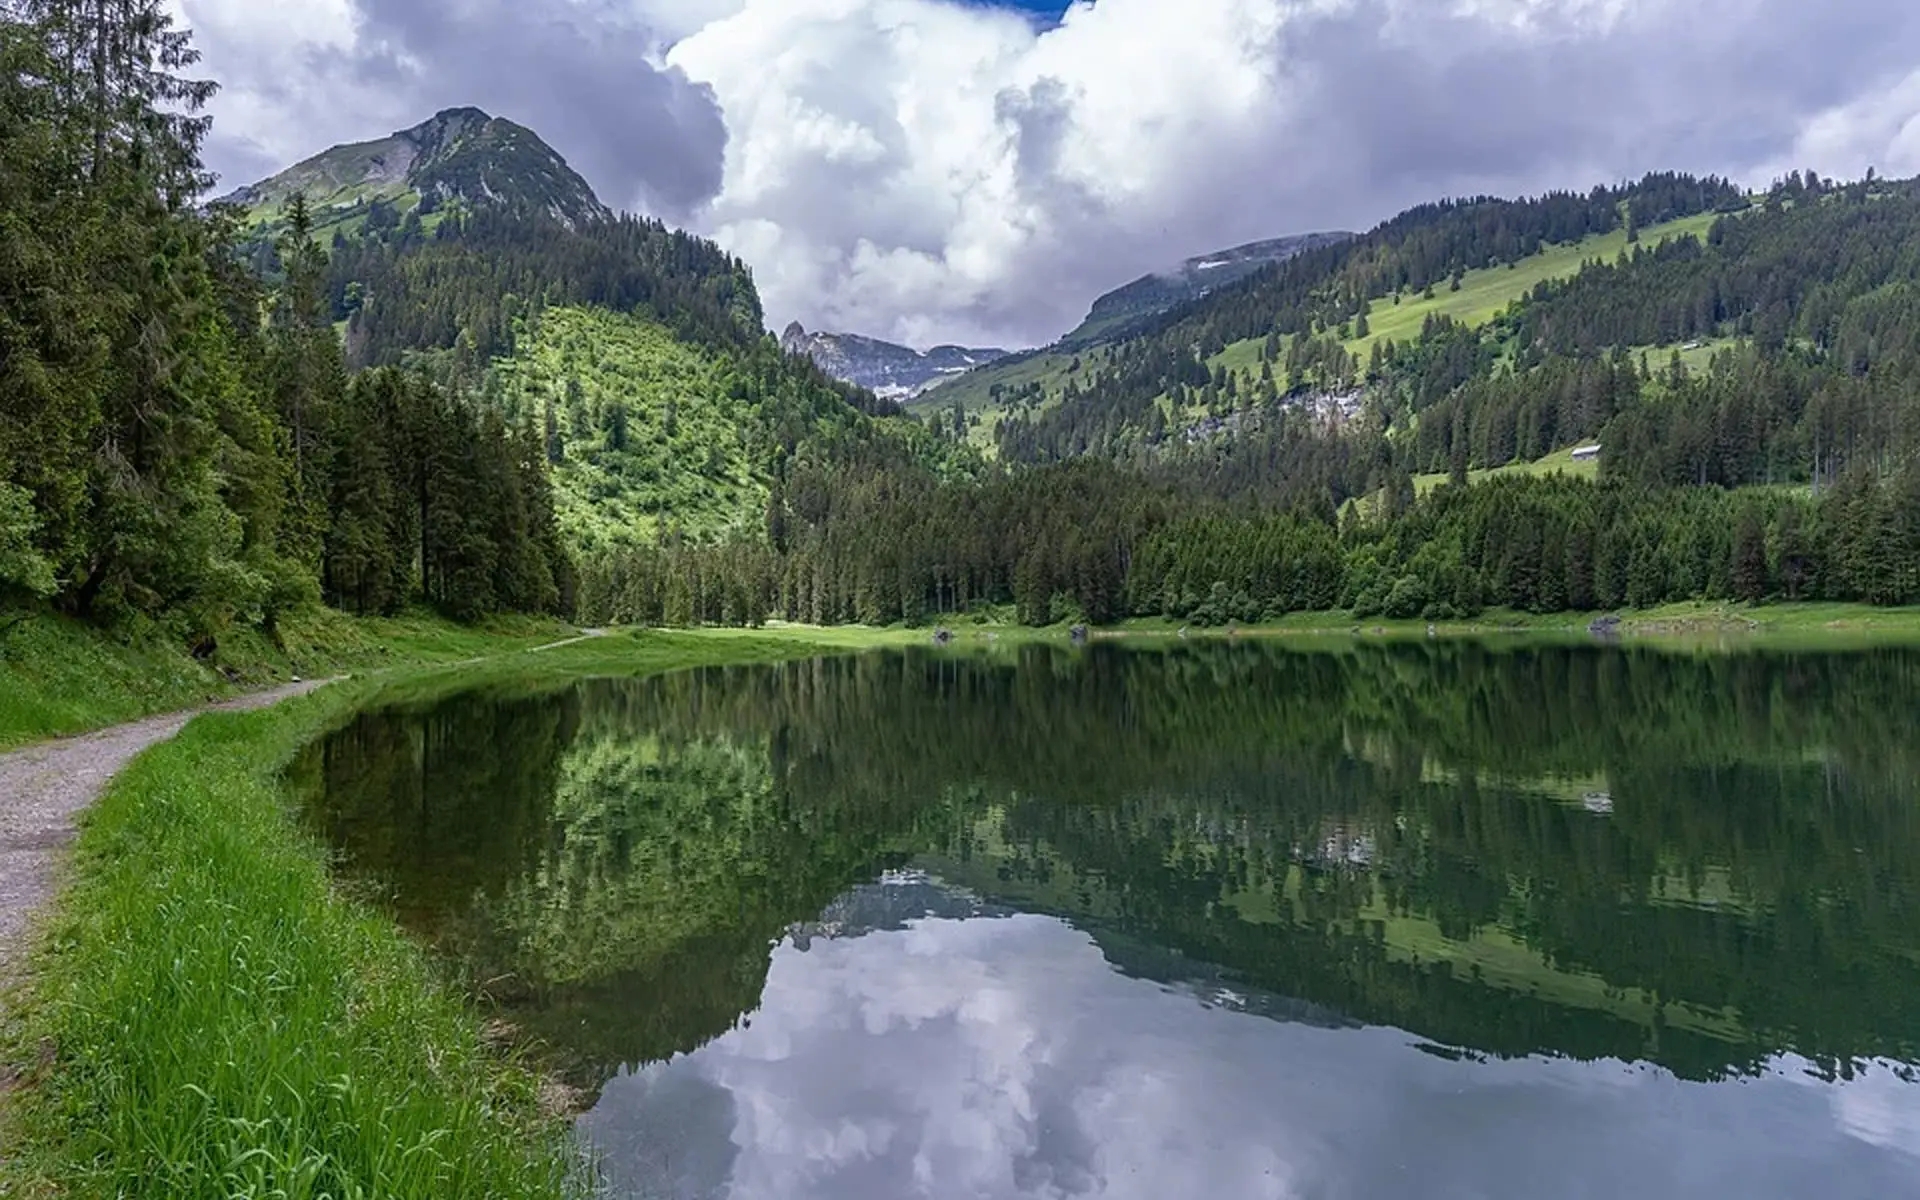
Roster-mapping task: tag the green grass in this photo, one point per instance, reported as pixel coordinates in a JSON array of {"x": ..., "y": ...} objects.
[
  {"x": 223, "y": 1025},
  {"x": 1812, "y": 623},
  {"x": 1485, "y": 294},
  {"x": 60, "y": 677},
  {"x": 974, "y": 390},
  {"x": 1560, "y": 462},
  {"x": 221, "y": 1021},
  {"x": 1808, "y": 624}
]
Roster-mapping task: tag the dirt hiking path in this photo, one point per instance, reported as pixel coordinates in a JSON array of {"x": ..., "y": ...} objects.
[{"x": 44, "y": 788}]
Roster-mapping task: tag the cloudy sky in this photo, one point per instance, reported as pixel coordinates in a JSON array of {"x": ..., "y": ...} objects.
[{"x": 929, "y": 170}]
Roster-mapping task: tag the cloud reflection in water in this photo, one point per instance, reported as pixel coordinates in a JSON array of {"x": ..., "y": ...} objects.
[{"x": 1007, "y": 1058}]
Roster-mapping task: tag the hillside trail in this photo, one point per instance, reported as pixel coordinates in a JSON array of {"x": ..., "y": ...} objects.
[{"x": 43, "y": 790}]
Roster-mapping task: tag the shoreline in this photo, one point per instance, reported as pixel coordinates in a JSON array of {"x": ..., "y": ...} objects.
[
  {"x": 200, "y": 972},
  {"x": 200, "y": 966}
]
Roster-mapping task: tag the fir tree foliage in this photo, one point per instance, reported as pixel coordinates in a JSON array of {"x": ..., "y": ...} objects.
[{"x": 166, "y": 454}]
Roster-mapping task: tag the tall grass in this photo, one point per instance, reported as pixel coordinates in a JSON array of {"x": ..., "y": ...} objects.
[{"x": 222, "y": 1025}]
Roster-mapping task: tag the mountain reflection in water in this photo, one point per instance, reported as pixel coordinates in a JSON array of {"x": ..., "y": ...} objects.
[{"x": 1220, "y": 919}]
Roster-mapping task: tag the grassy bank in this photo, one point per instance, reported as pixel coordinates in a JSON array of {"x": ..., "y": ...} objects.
[
  {"x": 1815, "y": 625},
  {"x": 210, "y": 1018},
  {"x": 60, "y": 677}
]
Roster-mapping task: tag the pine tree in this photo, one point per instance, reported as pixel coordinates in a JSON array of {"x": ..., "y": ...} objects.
[{"x": 1750, "y": 575}]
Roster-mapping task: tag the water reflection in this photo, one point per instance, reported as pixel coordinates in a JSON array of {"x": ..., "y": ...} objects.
[
  {"x": 1009, "y": 1059},
  {"x": 1552, "y": 867}
]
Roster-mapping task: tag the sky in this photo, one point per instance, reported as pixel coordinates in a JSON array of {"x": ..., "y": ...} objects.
[{"x": 930, "y": 171}]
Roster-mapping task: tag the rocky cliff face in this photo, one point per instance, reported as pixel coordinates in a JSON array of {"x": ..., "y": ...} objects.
[{"x": 883, "y": 368}]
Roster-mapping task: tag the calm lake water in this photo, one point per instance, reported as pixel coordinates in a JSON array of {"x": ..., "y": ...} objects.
[{"x": 1222, "y": 920}]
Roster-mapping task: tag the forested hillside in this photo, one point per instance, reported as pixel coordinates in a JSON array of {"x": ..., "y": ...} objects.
[
  {"x": 180, "y": 446},
  {"x": 636, "y": 354},
  {"x": 1747, "y": 368},
  {"x": 213, "y": 417}
]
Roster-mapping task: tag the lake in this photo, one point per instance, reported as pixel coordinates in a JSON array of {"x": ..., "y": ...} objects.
[{"x": 1213, "y": 919}]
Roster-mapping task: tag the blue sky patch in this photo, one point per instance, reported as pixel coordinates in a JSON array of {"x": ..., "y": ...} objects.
[{"x": 1047, "y": 12}]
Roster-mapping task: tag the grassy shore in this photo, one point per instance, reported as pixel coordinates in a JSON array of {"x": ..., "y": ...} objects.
[
  {"x": 209, "y": 1017},
  {"x": 60, "y": 677},
  {"x": 1812, "y": 624}
]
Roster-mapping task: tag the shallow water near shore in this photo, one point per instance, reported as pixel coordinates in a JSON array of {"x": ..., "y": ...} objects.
[{"x": 1223, "y": 919}]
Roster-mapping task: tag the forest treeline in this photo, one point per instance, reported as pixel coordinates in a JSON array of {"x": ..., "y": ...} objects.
[{"x": 1092, "y": 541}]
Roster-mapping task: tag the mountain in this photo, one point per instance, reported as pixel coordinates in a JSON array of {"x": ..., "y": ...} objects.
[
  {"x": 1122, "y": 310},
  {"x": 1032, "y": 376},
  {"x": 459, "y": 157},
  {"x": 882, "y": 367},
  {"x": 1397, "y": 318},
  {"x": 645, "y": 368}
]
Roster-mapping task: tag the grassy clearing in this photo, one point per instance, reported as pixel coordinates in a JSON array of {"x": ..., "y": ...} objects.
[
  {"x": 1696, "y": 357},
  {"x": 218, "y": 1021},
  {"x": 1483, "y": 294},
  {"x": 60, "y": 677},
  {"x": 1560, "y": 462},
  {"x": 973, "y": 391}
]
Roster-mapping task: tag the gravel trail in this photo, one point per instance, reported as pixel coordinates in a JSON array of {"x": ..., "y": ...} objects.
[{"x": 43, "y": 789}]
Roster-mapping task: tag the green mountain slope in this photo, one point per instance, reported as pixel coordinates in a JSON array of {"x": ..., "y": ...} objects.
[
  {"x": 636, "y": 354},
  {"x": 641, "y": 430},
  {"x": 1326, "y": 320},
  {"x": 1033, "y": 383},
  {"x": 461, "y": 157},
  {"x": 648, "y": 435}
]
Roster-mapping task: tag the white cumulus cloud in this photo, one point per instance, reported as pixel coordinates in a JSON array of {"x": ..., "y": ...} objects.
[{"x": 929, "y": 170}]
